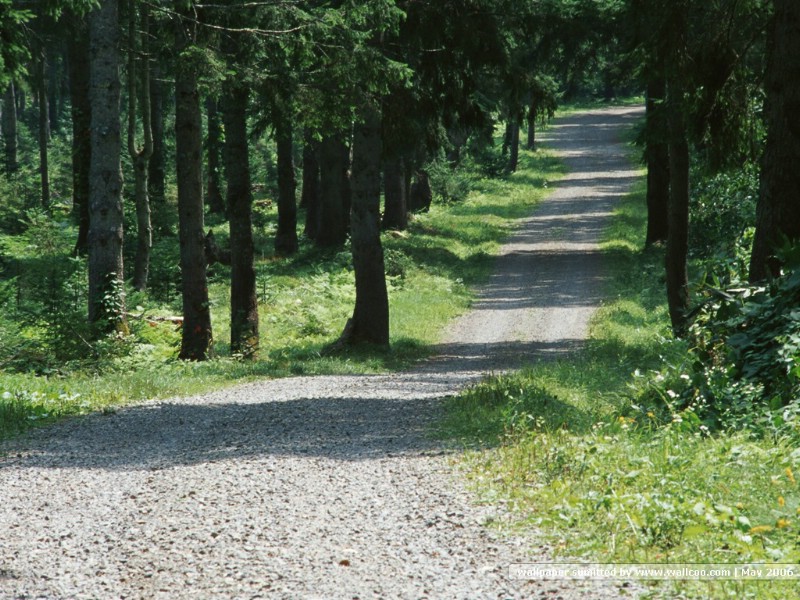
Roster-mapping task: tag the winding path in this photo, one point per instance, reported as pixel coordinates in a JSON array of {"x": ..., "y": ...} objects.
[{"x": 323, "y": 487}]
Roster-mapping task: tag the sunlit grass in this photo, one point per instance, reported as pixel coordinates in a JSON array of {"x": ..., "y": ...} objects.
[
  {"x": 563, "y": 444},
  {"x": 304, "y": 303}
]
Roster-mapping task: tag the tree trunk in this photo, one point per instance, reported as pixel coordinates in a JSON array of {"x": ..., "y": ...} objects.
[
  {"x": 140, "y": 157},
  {"x": 657, "y": 157},
  {"x": 311, "y": 187},
  {"x": 333, "y": 215},
  {"x": 214, "y": 199},
  {"x": 244, "y": 304},
  {"x": 778, "y": 214},
  {"x": 9, "y": 129},
  {"x": 156, "y": 168},
  {"x": 44, "y": 126},
  {"x": 196, "y": 336},
  {"x": 395, "y": 214},
  {"x": 286, "y": 237},
  {"x": 78, "y": 59},
  {"x": 532, "y": 110},
  {"x": 513, "y": 158},
  {"x": 678, "y": 239},
  {"x": 370, "y": 322},
  {"x": 106, "y": 285}
]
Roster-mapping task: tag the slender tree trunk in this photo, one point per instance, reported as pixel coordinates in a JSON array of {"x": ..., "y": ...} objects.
[
  {"x": 778, "y": 213},
  {"x": 44, "y": 126},
  {"x": 311, "y": 187},
  {"x": 657, "y": 157},
  {"x": 395, "y": 214},
  {"x": 9, "y": 129},
  {"x": 140, "y": 157},
  {"x": 286, "y": 237},
  {"x": 513, "y": 157},
  {"x": 78, "y": 59},
  {"x": 53, "y": 54},
  {"x": 678, "y": 239},
  {"x": 370, "y": 322},
  {"x": 156, "y": 169},
  {"x": 214, "y": 199},
  {"x": 105, "y": 191},
  {"x": 333, "y": 215},
  {"x": 532, "y": 110},
  {"x": 244, "y": 304},
  {"x": 196, "y": 336}
]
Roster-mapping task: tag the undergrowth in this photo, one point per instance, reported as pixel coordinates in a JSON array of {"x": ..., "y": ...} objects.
[
  {"x": 574, "y": 449},
  {"x": 51, "y": 367}
]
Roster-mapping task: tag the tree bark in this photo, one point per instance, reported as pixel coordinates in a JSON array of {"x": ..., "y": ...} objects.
[
  {"x": 9, "y": 129},
  {"x": 532, "y": 111},
  {"x": 333, "y": 213},
  {"x": 244, "y": 304},
  {"x": 778, "y": 213},
  {"x": 513, "y": 158},
  {"x": 395, "y": 214},
  {"x": 106, "y": 285},
  {"x": 43, "y": 125},
  {"x": 196, "y": 335},
  {"x": 370, "y": 322},
  {"x": 140, "y": 157},
  {"x": 78, "y": 60},
  {"x": 286, "y": 236},
  {"x": 214, "y": 199},
  {"x": 156, "y": 168},
  {"x": 657, "y": 158},
  {"x": 678, "y": 238},
  {"x": 311, "y": 195}
]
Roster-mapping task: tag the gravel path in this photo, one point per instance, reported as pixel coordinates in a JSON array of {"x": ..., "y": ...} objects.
[{"x": 323, "y": 487}]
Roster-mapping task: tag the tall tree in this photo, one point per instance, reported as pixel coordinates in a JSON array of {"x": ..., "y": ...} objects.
[
  {"x": 286, "y": 236},
  {"x": 9, "y": 129},
  {"x": 778, "y": 214},
  {"x": 78, "y": 61},
  {"x": 196, "y": 335},
  {"x": 106, "y": 286},
  {"x": 139, "y": 68},
  {"x": 370, "y": 321},
  {"x": 311, "y": 192},
  {"x": 657, "y": 159},
  {"x": 213, "y": 150}
]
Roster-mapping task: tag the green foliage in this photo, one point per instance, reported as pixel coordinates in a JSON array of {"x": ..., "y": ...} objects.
[
  {"x": 448, "y": 182},
  {"x": 572, "y": 449}
]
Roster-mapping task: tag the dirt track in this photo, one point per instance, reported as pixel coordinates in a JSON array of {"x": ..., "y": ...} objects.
[{"x": 324, "y": 487}]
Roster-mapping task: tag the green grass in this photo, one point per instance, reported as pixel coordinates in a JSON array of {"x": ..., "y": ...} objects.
[
  {"x": 566, "y": 447},
  {"x": 304, "y": 303}
]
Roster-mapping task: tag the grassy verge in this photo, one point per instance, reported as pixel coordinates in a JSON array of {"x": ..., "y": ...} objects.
[
  {"x": 566, "y": 446},
  {"x": 304, "y": 303}
]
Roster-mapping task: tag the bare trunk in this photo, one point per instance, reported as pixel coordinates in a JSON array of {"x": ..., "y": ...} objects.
[
  {"x": 532, "y": 111},
  {"x": 44, "y": 126},
  {"x": 106, "y": 286},
  {"x": 513, "y": 158},
  {"x": 155, "y": 170},
  {"x": 678, "y": 239},
  {"x": 657, "y": 157},
  {"x": 196, "y": 336},
  {"x": 395, "y": 214},
  {"x": 244, "y": 305},
  {"x": 214, "y": 199},
  {"x": 286, "y": 237},
  {"x": 333, "y": 213},
  {"x": 311, "y": 187},
  {"x": 78, "y": 59},
  {"x": 370, "y": 322},
  {"x": 140, "y": 157},
  {"x": 9, "y": 129},
  {"x": 778, "y": 214}
]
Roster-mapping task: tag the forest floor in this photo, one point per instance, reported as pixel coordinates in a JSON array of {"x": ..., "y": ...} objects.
[{"x": 319, "y": 487}]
